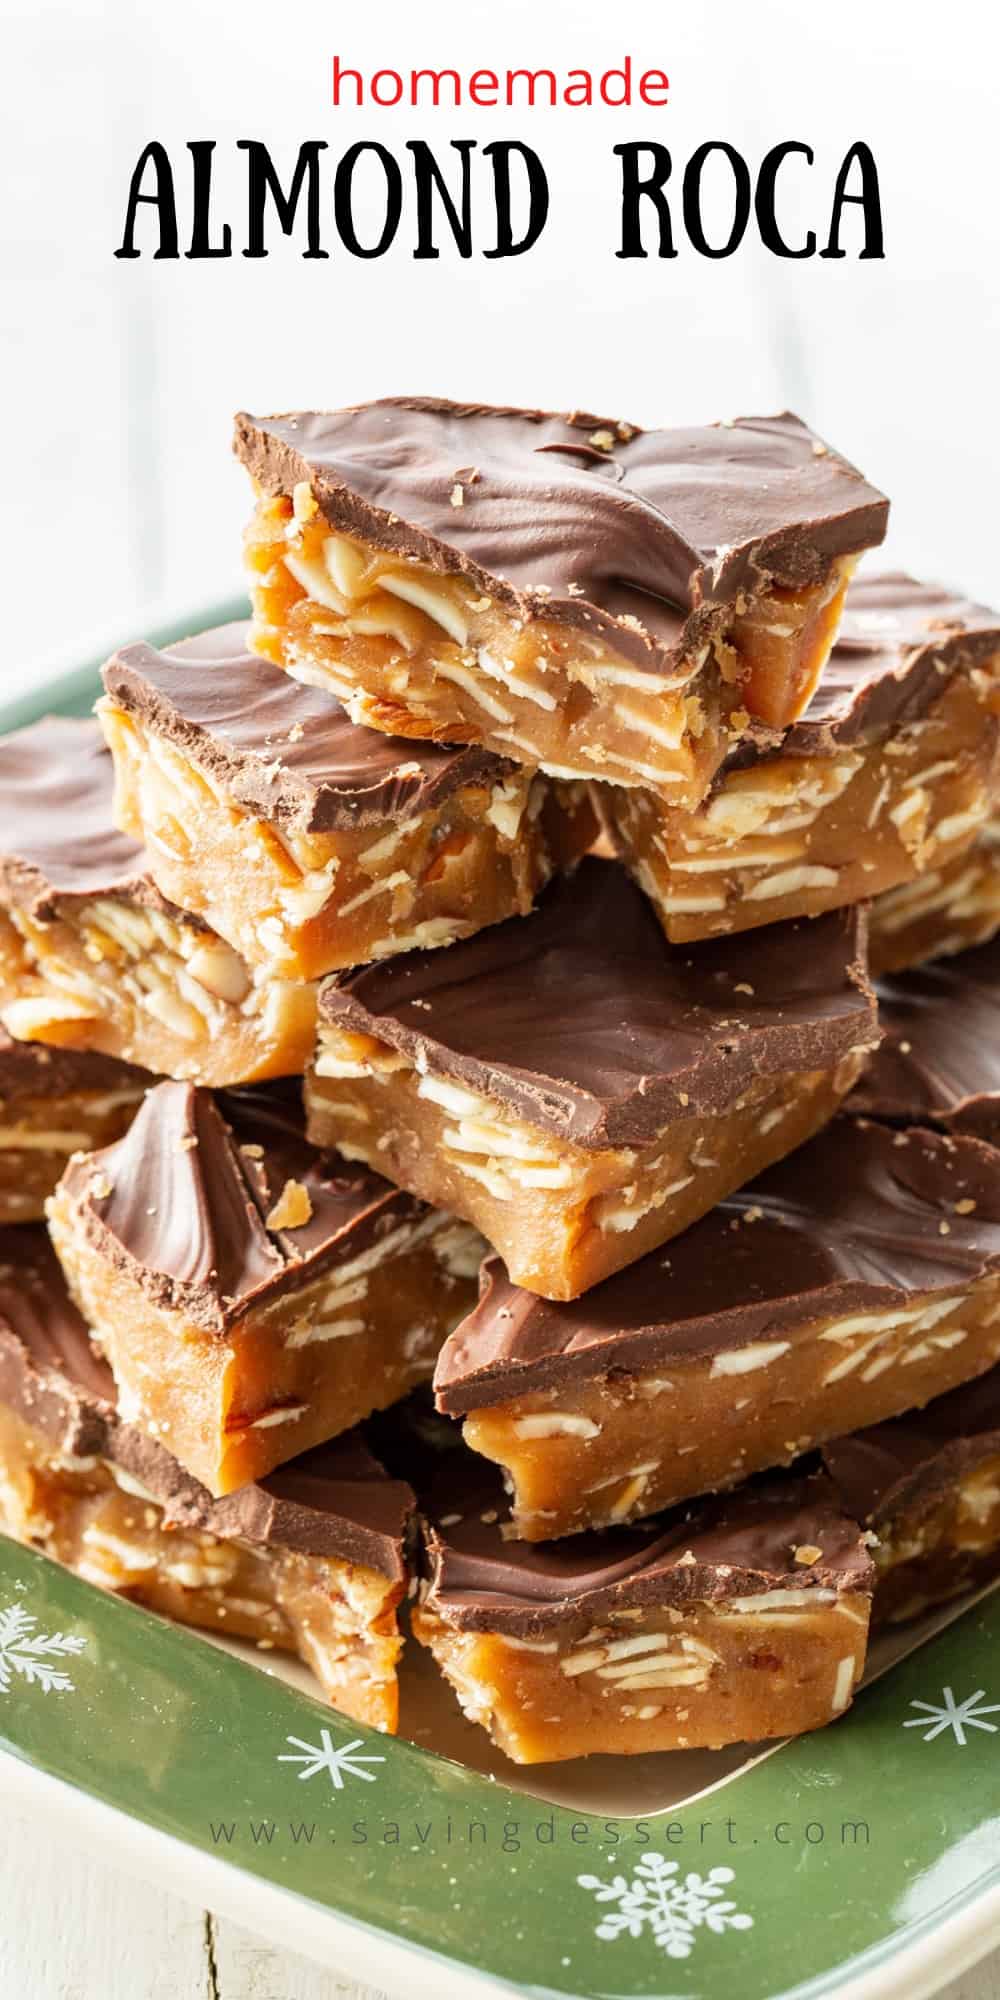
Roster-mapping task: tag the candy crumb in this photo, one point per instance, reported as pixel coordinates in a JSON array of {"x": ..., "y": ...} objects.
[{"x": 292, "y": 1209}]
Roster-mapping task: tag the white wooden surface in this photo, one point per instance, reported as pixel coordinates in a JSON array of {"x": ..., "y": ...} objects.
[{"x": 73, "y": 1928}]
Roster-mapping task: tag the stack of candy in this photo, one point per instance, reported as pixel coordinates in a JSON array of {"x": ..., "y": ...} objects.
[{"x": 520, "y": 872}]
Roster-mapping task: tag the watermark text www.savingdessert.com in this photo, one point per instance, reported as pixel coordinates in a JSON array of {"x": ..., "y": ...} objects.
[{"x": 513, "y": 1836}]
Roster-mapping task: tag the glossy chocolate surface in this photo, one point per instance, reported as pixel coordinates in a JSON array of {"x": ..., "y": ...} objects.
[{"x": 58, "y": 839}]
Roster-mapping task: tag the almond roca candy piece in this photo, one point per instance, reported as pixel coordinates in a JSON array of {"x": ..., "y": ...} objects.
[
  {"x": 580, "y": 1089},
  {"x": 311, "y": 1561},
  {"x": 927, "y": 1486},
  {"x": 94, "y": 957},
  {"x": 939, "y": 1060},
  {"x": 887, "y": 778},
  {"x": 253, "y": 1297},
  {"x": 580, "y": 594},
  {"x": 731, "y": 1620},
  {"x": 306, "y": 841},
  {"x": 853, "y": 1281},
  {"x": 54, "y": 1102}
]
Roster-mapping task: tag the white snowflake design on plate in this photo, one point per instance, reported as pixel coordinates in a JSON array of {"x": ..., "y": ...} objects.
[
  {"x": 957, "y": 1716},
  {"x": 29, "y": 1654},
  {"x": 673, "y": 1907},
  {"x": 347, "y": 1762}
]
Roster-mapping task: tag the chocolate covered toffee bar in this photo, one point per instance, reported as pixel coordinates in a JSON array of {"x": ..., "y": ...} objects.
[
  {"x": 53, "y": 1102},
  {"x": 577, "y": 1087},
  {"x": 885, "y": 780},
  {"x": 311, "y": 1561},
  {"x": 733, "y": 1620},
  {"x": 582, "y": 595},
  {"x": 93, "y": 955},
  {"x": 306, "y": 841},
  {"x": 253, "y": 1297},
  {"x": 939, "y": 1060},
  {"x": 943, "y": 912},
  {"x": 853, "y": 1281},
  {"x": 928, "y": 1486}
]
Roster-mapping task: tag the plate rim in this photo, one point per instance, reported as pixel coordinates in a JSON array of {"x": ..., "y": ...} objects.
[{"x": 958, "y": 1941}]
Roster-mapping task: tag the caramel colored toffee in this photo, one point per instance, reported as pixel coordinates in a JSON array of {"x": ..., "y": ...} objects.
[
  {"x": 885, "y": 781},
  {"x": 305, "y": 841},
  {"x": 939, "y": 1059},
  {"x": 733, "y": 1620},
  {"x": 853, "y": 1281},
  {"x": 253, "y": 1296},
  {"x": 945, "y": 911},
  {"x": 585, "y": 596},
  {"x": 54, "y": 1102},
  {"x": 310, "y": 1561},
  {"x": 579, "y": 1089},
  {"x": 928, "y": 1485},
  {"x": 92, "y": 954}
]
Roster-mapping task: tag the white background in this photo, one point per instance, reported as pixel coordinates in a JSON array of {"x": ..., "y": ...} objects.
[{"x": 120, "y": 378}]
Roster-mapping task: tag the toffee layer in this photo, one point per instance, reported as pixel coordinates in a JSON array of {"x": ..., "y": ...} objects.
[{"x": 948, "y": 910}]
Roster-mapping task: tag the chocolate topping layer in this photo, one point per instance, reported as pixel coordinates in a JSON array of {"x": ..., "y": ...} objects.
[
  {"x": 592, "y": 522},
  {"x": 916, "y": 1459},
  {"x": 334, "y": 1501},
  {"x": 182, "y": 1201},
  {"x": 899, "y": 644},
  {"x": 582, "y": 1019},
  {"x": 851, "y": 1222},
  {"x": 286, "y": 752},
  {"x": 940, "y": 1056},
  {"x": 58, "y": 839},
  {"x": 731, "y": 1546},
  {"x": 31, "y": 1070}
]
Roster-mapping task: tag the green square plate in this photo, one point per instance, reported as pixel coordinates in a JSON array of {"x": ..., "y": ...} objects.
[{"x": 862, "y": 1861}]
